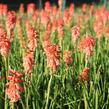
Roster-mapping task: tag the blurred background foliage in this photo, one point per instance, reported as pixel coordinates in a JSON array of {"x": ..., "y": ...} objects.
[{"x": 14, "y": 4}]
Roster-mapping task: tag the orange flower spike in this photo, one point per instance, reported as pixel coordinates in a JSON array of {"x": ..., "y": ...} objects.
[
  {"x": 13, "y": 89},
  {"x": 11, "y": 20},
  {"x": 60, "y": 28},
  {"x": 28, "y": 25},
  {"x": 21, "y": 8},
  {"x": 12, "y": 92},
  {"x": 28, "y": 62},
  {"x": 54, "y": 25},
  {"x": 35, "y": 16},
  {"x": 92, "y": 9},
  {"x": 84, "y": 8},
  {"x": 98, "y": 29},
  {"x": 46, "y": 43},
  {"x": 71, "y": 9},
  {"x": 102, "y": 15},
  {"x": 52, "y": 53},
  {"x": 84, "y": 76},
  {"x": 5, "y": 9},
  {"x": 10, "y": 24},
  {"x": 4, "y": 43},
  {"x": 53, "y": 57},
  {"x": 67, "y": 57},
  {"x": 86, "y": 45},
  {"x": 48, "y": 7},
  {"x": 4, "y": 47},
  {"x": 55, "y": 11},
  {"x": 75, "y": 33},
  {"x": 66, "y": 16},
  {"x": 49, "y": 27},
  {"x": 31, "y": 8},
  {"x": 1, "y": 9},
  {"x": 14, "y": 79},
  {"x": 32, "y": 39},
  {"x": 20, "y": 33},
  {"x": 16, "y": 73},
  {"x": 45, "y": 18},
  {"x": 2, "y": 32},
  {"x": 60, "y": 3}
]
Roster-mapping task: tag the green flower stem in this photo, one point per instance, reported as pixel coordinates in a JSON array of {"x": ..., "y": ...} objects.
[
  {"x": 48, "y": 92},
  {"x": 6, "y": 74}
]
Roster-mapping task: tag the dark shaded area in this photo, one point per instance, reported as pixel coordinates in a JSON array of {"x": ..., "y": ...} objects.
[
  {"x": 14, "y": 4},
  {"x": 80, "y": 2}
]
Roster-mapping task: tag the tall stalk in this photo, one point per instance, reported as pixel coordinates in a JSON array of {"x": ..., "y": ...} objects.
[
  {"x": 6, "y": 74},
  {"x": 48, "y": 91}
]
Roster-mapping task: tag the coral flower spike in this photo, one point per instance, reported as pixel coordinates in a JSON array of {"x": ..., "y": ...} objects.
[
  {"x": 32, "y": 36},
  {"x": 86, "y": 45},
  {"x": 60, "y": 2},
  {"x": 4, "y": 43},
  {"x": 4, "y": 47},
  {"x": 84, "y": 76},
  {"x": 10, "y": 24},
  {"x": 31, "y": 8},
  {"x": 52, "y": 53},
  {"x": 14, "y": 89},
  {"x": 75, "y": 33},
  {"x": 28, "y": 62},
  {"x": 21, "y": 8},
  {"x": 67, "y": 57}
]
